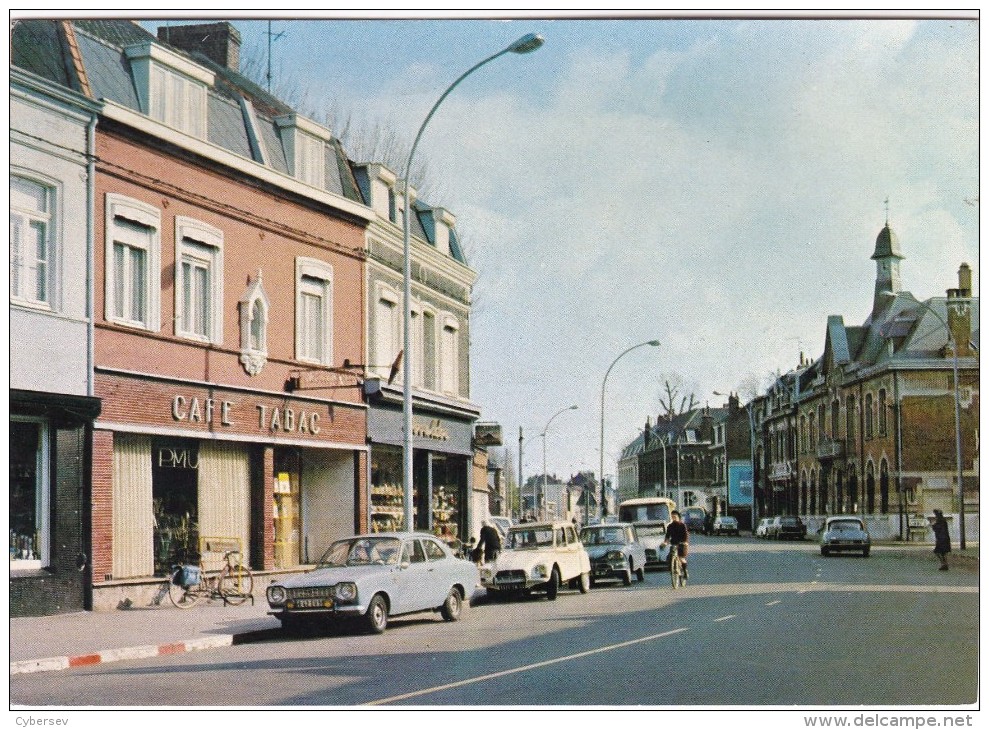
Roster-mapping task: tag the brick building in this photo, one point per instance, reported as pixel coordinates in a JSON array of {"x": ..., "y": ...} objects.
[
  {"x": 228, "y": 289},
  {"x": 875, "y": 414}
]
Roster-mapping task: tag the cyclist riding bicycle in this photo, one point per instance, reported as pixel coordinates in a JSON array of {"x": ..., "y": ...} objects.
[{"x": 678, "y": 536}]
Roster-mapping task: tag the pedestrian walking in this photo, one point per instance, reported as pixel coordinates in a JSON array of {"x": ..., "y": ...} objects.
[
  {"x": 488, "y": 545},
  {"x": 942, "y": 542}
]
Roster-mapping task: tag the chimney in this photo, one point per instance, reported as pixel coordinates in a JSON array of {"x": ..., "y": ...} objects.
[
  {"x": 646, "y": 435},
  {"x": 220, "y": 42},
  {"x": 960, "y": 311},
  {"x": 965, "y": 280}
]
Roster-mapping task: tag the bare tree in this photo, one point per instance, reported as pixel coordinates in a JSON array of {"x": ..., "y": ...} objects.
[{"x": 676, "y": 397}]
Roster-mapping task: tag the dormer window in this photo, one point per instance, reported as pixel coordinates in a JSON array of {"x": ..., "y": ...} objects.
[
  {"x": 172, "y": 89},
  {"x": 305, "y": 148},
  {"x": 254, "y": 327}
]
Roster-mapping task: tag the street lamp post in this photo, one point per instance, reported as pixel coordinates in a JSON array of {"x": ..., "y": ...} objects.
[
  {"x": 651, "y": 343},
  {"x": 525, "y": 44},
  {"x": 542, "y": 503},
  {"x": 958, "y": 427}
]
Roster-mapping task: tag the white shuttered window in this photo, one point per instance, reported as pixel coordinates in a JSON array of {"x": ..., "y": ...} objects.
[
  {"x": 225, "y": 493},
  {"x": 133, "y": 528}
]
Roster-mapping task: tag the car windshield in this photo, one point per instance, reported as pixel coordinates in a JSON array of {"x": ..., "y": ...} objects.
[
  {"x": 845, "y": 526},
  {"x": 362, "y": 551},
  {"x": 530, "y": 537},
  {"x": 727, "y": 520},
  {"x": 602, "y": 536},
  {"x": 788, "y": 521},
  {"x": 650, "y": 530}
]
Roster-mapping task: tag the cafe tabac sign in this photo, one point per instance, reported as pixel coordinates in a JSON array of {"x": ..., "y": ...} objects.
[{"x": 239, "y": 415}]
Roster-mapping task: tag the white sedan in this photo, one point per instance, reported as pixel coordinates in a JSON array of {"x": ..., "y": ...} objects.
[
  {"x": 539, "y": 557},
  {"x": 372, "y": 577}
]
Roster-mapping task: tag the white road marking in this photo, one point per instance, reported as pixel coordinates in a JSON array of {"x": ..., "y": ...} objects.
[
  {"x": 773, "y": 603},
  {"x": 526, "y": 668},
  {"x": 724, "y": 618}
]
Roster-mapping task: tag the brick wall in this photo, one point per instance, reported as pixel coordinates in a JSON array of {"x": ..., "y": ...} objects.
[{"x": 102, "y": 505}]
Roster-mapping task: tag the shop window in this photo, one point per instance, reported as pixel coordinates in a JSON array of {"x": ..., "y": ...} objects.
[
  {"x": 32, "y": 242},
  {"x": 314, "y": 311},
  {"x": 287, "y": 507},
  {"x": 449, "y": 480},
  {"x": 29, "y": 494},
  {"x": 175, "y": 500},
  {"x": 198, "y": 281},
  {"x": 133, "y": 252},
  {"x": 387, "y": 493}
]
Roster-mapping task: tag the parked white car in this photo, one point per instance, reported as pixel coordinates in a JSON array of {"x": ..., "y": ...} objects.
[
  {"x": 539, "y": 556},
  {"x": 845, "y": 533},
  {"x": 374, "y": 577},
  {"x": 762, "y": 529}
]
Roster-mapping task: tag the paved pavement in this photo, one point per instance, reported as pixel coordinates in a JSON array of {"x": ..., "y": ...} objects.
[{"x": 52, "y": 643}]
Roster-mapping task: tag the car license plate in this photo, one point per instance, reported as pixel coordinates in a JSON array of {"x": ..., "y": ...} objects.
[{"x": 313, "y": 603}]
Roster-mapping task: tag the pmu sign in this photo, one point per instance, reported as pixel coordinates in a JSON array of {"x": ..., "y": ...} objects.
[{"x": 178, "y": 458}]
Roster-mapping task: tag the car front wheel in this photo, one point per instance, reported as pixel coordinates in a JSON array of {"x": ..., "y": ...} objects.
[
  {"x": 585, "y": 582},
  {"x": 553, "y": 587},
  {"x": 376, "y": 618},
  {"x": 450, "y": 610}
]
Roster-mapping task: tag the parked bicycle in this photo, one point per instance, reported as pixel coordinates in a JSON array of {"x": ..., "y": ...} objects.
[{"x": 190, "y": 584}]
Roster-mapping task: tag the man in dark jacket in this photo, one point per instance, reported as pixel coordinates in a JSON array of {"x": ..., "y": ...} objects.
[
  {"x": 678, "y": 536},
  {"x": 489, "y": 543}
]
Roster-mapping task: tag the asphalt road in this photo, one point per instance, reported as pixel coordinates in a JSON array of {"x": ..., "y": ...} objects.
[{"x": 760, "y": 625}]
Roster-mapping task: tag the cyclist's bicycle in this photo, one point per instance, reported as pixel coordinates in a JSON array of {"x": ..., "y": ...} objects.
[
  {"x": 190, "y": 584},
  {"x": 678, "y": 569}
]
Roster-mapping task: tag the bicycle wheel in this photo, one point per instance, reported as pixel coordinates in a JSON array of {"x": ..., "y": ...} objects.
[
  {"x": 675, "y": 569},
  {"x": 183, "y": 596},
  {"x": 236, "y": 584}
]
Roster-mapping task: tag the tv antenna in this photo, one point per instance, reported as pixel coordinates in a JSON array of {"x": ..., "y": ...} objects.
[{"x": 271, "y": 37}]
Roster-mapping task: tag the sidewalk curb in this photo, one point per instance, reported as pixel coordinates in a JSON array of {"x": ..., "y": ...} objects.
[{"x": 54, "y": 664}]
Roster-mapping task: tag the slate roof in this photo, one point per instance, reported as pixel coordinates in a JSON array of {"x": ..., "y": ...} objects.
[
  {"x": 39, "y": 46},
  {"x": 905, "y": 332}
]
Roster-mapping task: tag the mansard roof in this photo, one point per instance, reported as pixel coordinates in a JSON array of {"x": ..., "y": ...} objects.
[
  {"x": 904, "y": 333},
  {"x": 41, "y": 47}
]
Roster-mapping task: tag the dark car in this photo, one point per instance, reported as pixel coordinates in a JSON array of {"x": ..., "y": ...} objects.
[
  {"x": 787, "y": 527},
  {"x": 695, "y": 518},
  {"x": 615, "y": 552},
  {"x": 725, "y": 525}
]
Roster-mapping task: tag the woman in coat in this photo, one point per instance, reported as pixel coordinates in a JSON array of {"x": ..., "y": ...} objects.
[{"x": 942, "y": 543}]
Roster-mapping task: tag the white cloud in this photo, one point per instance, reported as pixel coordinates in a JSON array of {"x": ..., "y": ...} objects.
[{"x": 723, "y": 197}]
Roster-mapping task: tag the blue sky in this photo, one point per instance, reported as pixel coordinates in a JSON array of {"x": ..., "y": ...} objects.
[{"x": 717, "y": 185}]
